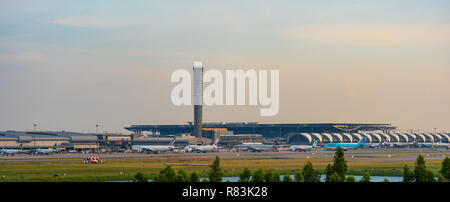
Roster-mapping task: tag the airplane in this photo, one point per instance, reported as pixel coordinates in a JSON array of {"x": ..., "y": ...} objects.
[
  {"x": 11, "y": 151},
  {"x": 202, "y": 148},
  {"x": 378, "y": 145},
  {"x": 154, "y": 148},
  {"x": 46, "y": 151},
  {"x": 346, "y": 146},
  {"x": 303, "y": 147},
  {"x": 425, "y": 144},
  {"x": 256, "y": 147},
  {"x": 442, "y": 144},
  {"x": 405, "y": 144}
]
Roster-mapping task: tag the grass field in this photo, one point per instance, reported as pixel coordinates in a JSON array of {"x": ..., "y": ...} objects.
[{"x": 117, "y": 169}]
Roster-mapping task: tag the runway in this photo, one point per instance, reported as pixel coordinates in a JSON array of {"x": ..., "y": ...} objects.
[{"x": 388, "y": 154}]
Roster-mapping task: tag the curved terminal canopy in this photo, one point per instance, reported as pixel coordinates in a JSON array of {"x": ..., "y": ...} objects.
[
  {"x": 368, "y": 136},
  {"x": 387, "y": 137},
  {"x": 330, "y": 138},
  {"x": 429, "y": 136},
  {"x": 308, "y": 136},
  {"x": 339, "y": 136},
  {"x": 422, "y": 137},
  {"x": 350, "y": 138},
  {"x": 397, "y": 138},
  {"x": 359, "y": 136},
  {"x": 318, "y": 136}
]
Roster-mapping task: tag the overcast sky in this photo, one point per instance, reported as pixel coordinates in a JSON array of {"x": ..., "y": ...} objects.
[{"x": 68, "y": 65}]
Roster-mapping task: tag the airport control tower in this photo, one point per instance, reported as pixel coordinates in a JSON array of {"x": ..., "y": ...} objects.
[{"x": 198, "y": 98}]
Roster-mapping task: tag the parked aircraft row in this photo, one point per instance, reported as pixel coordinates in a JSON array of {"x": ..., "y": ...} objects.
[
  {"x": 171, "y": 147},
  {"x": 32, "y": 151}
]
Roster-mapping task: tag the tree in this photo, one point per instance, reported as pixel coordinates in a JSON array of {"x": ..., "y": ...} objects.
[
  {"x": 287, "y": 178},
  {"x": 298, "y": 176},
  {"x": 441, "y": 178},
  {"x": 429, "y": 176},
  {"x": 276, "y": 176},
  {"x": 245, "y": 175},
  {"x": 328, "y": 172},
  {"x": 181, "y": 176},
  {"x": 166, "y": 175},
  {"x": 334, "y": 178},
  {"x": 139, "y": 177},
  {"x": 215, "y": 173},
  {"x": 268, "y": 176},
  {"x": 386, "y": 180},
  {"x": 408, "y": 175},
  {"x": 366, "y": 177},
  {"x": 445, "y": 170},
  {"x": 340, "y": 164},
  {"x": 258, "y": 176},
  {"x": 194, "y": 177},
  {"x": 309, "y": 174},
  {"x": 350, "y": 179},
  {"x": 420, "y": 171}
]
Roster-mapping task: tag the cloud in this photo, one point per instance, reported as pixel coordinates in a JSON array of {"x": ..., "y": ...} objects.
[
  {"x": 97, "y": 22},
  {"x": 373, "y": 35}
]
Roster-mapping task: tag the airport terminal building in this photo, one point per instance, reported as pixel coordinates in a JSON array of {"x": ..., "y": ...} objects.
[{"x": 294, "y": 133}]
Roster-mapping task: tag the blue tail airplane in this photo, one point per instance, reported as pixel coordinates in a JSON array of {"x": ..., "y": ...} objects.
[{"x": 344, "y": 146}]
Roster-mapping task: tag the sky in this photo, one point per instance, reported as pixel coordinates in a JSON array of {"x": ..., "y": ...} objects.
[{"x": 69, "y": 65}]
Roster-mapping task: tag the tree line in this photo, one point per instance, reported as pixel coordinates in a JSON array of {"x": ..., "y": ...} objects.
[{"x": 336, "y": 172}]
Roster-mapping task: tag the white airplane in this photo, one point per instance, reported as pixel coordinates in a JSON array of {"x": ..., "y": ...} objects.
[
  {"x": 154, "y": 148},
  {"x": 202, "y": 148},
  {"x": 46, "y": 151},
  {"x": 303, "y": 147},
  {"x": 381, "y": 144},
  {"x": 405, "y": 144},
  {"x": 11, "y": 151},
  {"x": 255, "y": 147},
  {"x": 442, "y": 144}
]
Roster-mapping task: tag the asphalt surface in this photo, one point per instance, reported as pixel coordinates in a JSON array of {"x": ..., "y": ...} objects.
[{"x": 366, "y": 154}]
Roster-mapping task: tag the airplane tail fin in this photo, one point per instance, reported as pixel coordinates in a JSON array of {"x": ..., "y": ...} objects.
[
  {"x": 216, "y": 143},
  {"x": 314, "y": 143},
  {"x": 172, "y": 143},
  {"x": 363, "y": 141},
  {"x": 54, "y": 146},
  {"x": 20, "y": 146}
]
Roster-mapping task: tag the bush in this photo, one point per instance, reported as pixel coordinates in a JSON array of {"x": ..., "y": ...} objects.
[
  {"x": 245, "y": 175},
  {"x": 276, "y": 177},
  {"x": 309, "y": 174},
  {"x": 350, "y": 179},
  {"x": 194, "y": 177},
  {"x": 366, "y": 177},
  {"x": 258, "y": 176},
  {"x": 408, "y": 175},
  {"x": 299, "y": 176},
  {"x": 166, "y": 175},
  {"x": 334, "y": 178},
  {"x": 287, "y": 178},
  {"x": 441, "y": 178},
  {"x": 268, "y": 176},
  {"x": 139, "y": 177},
  {"x": 181, "y": 176}
]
